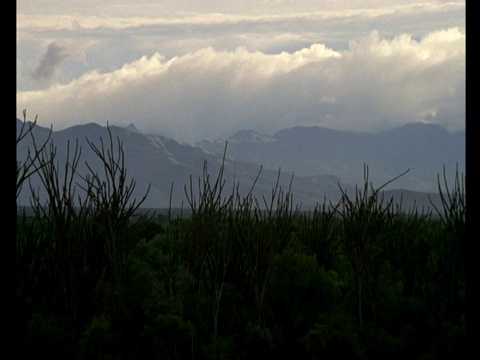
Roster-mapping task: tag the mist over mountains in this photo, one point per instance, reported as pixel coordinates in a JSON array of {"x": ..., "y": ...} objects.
[
  {"x": 307, "y": 151},
  {"x": 315, "y": 161}
]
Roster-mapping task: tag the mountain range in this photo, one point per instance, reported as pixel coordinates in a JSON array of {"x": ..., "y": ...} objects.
[
  {"x": 422, "y": 148},
  {"x": 316, "y": 162}
]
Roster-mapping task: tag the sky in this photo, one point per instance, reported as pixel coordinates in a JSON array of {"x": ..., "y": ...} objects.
[{"x": 194, "y": 70}]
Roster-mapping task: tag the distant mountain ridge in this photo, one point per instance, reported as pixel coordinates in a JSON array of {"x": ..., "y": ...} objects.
[
  {"x": 168, "y": 166},
  {"x": 423, "y": 148}
]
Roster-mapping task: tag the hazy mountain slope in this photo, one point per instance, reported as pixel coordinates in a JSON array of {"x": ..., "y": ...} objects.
[
  {"x": 164, "y": 163},
  {"x": 422, "y": 148}
]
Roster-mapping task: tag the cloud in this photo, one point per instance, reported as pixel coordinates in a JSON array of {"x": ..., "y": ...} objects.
[
  {"x": 113, "y": 33},
  {"x": 48, "y": 71},
  {"x": 376, "y": 83}
]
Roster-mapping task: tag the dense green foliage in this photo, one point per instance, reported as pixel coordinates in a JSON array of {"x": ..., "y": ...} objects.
[{"x": 240, "y": 277}]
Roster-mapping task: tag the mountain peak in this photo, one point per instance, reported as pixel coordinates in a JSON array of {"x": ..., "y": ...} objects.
[
  {"x": 132, "y": 128},
  {"x": 250, "y": 135},
  {"x": 420, "y": 130}
]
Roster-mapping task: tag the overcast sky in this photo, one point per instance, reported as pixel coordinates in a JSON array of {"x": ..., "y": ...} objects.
[{"x": 194, "y": 70}]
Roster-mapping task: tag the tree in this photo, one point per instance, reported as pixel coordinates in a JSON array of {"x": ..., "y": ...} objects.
[
  {"x": 113, "y": 208},
  {"x": 30, "y": 166},
  {"x": 265, "y": 234},
  {"x": 209, "y": 243},
  {"x": 318, "y": 233},
  {"x": 363, "y": 220}
]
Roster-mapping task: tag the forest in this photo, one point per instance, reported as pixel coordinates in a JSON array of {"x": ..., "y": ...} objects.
[{"x": 239, "y": 277}]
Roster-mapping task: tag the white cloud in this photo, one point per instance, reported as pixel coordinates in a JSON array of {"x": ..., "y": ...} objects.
[
  {"x": 375, "y": 83},
  {"x": 401, "y": 78},
  {"x": 195, "y": 70}
]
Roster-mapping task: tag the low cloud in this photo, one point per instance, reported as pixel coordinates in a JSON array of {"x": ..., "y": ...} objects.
[
  {"x": 49, "y": 69},
  {"x": 376, "y": 83}
]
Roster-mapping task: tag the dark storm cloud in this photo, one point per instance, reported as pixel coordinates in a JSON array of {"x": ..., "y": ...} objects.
[{"x": 50, "y": 65}]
